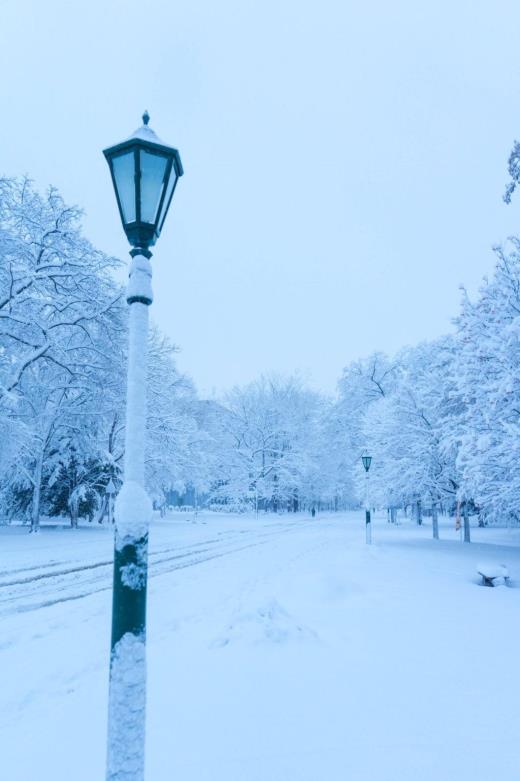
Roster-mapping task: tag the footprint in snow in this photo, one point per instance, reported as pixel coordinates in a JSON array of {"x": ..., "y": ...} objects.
[{"x": 268, "y": 623}]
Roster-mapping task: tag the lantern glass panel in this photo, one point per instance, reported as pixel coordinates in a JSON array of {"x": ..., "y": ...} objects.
[
  {"x": 367, "y": 460},
  {"x": 152, "y": 182},
  {"x": 167, "y": 198},
  {"x": 123, "y": 167}
]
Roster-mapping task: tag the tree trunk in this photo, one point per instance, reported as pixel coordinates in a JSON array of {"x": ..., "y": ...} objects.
[
  {"x": 101, "y": 510},
  {"x": 74, "y": 510},
  {"x": 35, "y": 512},
  {"x": 74, "y": 517},
  {"x": 419, "y": 512},
  {"x": 435, "y": 522},
  {"x": 465, "y": 515}
]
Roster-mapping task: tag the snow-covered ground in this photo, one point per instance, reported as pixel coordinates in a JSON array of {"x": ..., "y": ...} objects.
[{"x": 278, "y": 649}]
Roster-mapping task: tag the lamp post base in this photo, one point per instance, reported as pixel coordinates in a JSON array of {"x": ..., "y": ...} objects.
[{"x": 127, "y": 693}]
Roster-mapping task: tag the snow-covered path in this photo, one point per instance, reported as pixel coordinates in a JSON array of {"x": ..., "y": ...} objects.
[
  {"x": 50, "y": 582},
  {"x": 278, "y": 649}
]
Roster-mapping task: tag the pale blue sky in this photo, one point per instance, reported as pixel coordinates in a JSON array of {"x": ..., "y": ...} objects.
[{"x": 344, "y": 161}]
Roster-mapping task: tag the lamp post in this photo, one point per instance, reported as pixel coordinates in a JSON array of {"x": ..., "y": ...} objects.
[
  {"x": 367, "y": 460},
  {"x": 144, "y": 173},
  {"x": 110, "y": 489}
]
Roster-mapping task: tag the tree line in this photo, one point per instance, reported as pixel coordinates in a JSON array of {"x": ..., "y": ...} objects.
[{"x": 440, "y": 419}]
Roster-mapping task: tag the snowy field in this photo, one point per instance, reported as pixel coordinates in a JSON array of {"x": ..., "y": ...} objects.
[{"x": 278, "y": 649}]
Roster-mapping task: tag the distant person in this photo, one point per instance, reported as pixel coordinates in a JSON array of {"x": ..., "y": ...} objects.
[{"x": 313, "y": 512}]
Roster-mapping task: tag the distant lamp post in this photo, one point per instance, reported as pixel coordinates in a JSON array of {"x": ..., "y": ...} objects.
[
  {"x": 110, "y": 489},
  {"x": 144, "y": 174},
  {"x": 432, "y": 506},
  {"x": 367, "y": 460}
]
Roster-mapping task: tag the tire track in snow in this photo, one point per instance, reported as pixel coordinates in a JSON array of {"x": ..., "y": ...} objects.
[{"x": 192, "y": 556}]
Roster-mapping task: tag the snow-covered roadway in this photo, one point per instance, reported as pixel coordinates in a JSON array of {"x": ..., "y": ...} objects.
[
  {"x": 279, "y": 649},
  {"x": 46, "y": 584}
]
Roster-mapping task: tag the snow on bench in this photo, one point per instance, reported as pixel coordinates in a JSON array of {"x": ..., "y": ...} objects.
[{"x": 493, "y": 574}]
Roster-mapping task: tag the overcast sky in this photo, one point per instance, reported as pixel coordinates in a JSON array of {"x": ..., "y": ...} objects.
[{"x": 344, "y": 161}]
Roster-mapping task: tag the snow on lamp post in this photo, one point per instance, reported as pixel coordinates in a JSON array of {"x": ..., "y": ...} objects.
[
  {"x": 367, "y": 460},
  {"x": 144, "y": 173}
]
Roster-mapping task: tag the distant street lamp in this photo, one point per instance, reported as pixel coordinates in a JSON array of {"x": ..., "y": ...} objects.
[
  {"x": 367, "y": 460},
  {"x": 144, "y": 174},
  {"x": 110, "y": 489}
]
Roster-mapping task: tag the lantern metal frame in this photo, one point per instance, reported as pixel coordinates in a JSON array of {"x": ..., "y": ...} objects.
[
  {"x": 367, "y": 460},
  {"x": 140, "y": 233}
]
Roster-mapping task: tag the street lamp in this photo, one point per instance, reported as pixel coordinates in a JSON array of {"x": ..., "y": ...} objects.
[
  {"x": 110, "y": 491},
  {"x": 144, "y": 173},
  {"x": 367, "y": 460}
]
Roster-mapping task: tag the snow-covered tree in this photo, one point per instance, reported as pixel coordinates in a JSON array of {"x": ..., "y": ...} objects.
[
  {"x": 271, "y": 425},
  {"x": 175, "y": 444},
  {"x": 60, "y": 323},
  {"x": 404, "y": 431},
  {"x": 488, "y": 380}
]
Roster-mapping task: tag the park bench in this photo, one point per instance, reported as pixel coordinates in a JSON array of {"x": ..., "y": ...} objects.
[{"x": 493, "y": 574}]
